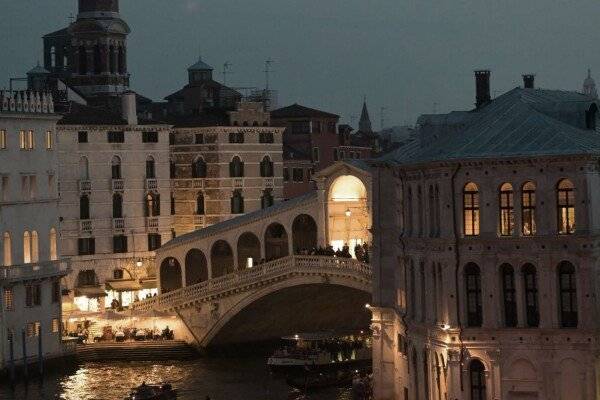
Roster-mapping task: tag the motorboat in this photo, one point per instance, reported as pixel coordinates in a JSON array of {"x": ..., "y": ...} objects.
[
  {"x": 152, "y": 392},
  {"x": 305, "y": 352}
]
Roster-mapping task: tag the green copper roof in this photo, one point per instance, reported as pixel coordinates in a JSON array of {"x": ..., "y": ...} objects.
[{"x": 520, "y": 123}]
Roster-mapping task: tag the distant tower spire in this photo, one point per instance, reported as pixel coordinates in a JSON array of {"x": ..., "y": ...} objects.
[
  {"x": 589, "y": 86},
  {"x": 364, "y": 124}
]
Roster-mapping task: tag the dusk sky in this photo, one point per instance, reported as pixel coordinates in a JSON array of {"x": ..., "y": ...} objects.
[{"x": 403, "y": 55}]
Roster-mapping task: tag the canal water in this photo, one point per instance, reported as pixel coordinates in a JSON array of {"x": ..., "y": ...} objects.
[{"x": 219, "y": 378}]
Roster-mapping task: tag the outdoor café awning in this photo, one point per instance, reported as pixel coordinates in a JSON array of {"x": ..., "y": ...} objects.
[
  {"x": 149, "y": 283},
  {"x": 128, "y": 285},
  {"x": 90, "y": 291}
]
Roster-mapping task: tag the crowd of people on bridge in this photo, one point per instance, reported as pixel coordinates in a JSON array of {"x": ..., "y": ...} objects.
[{"x": 361, "y": 252}]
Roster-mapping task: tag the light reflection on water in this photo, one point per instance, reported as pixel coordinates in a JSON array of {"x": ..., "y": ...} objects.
[{"x": 221, "y": 379}]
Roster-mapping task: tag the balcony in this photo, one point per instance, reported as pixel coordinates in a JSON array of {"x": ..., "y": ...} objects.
[
  {"x": 151, "y": 184},
  {"x": 86, "y": 225},
  {"x": 85, "y": 186},
  {"x": 118, "y": 185},
  {"x": 152, "y": 223},
  {"x": 118, "y": 224},
  {"x": 198, "y": 183},
  {"x": 238, "y": 182},
  {"x": 269, "y": 183},
  {"x": 199, "y": 220},
  {"x": 34, "y": 271}
]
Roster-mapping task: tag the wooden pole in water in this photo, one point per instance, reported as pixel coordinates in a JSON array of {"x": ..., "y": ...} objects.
[
  {"x": 12, "y": 358},
  {"x": 24, "y": 353},
  {"x": 40, "y": 352}
]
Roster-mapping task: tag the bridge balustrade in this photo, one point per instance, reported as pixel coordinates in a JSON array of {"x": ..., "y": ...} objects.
[{"x": 251, "y": 276}]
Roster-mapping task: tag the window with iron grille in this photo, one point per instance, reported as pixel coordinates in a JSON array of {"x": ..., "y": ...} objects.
[{"x": 8, "y": 299}]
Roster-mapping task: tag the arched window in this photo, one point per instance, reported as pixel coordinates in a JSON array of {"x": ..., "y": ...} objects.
[
  {"x": 117, "y": 206},
  {"x": 121, "y": 60},
  {"x": 532, "y": 310},
  {"x": 567, "y": 288},
  {"x": 26, "y": 247},
  {"x": 509, "y": 295},
  {"x": 528, "y": 209},
  {"x": 409, "y": 212},
  {"x": 266, "y": 167},
  {"x": 471, "y": 209},
  {"x": 507, "y": 210},
  {"x": 199, "y": 168},
  {"x": 84, "y": 169},
  {"x": 565, "y": 202},
  {"x": 7, "y": 248},
  {"x": 83, "y": 68},
  {"x": 473, "y": 298},
  {"x": 200, "y": 204},
  {"x": 112, "y": 56},
  {"x": 152, "y": 205},
  {"x": 150, "y": 170},
  {"x": 53, "y": 245},
  {"x": 237, "y": 202},
  {"x": 53, "y": 56},
  {"x": 431, "y": 212},
  {"x": 116, "y": 167},
  {"x": 35, "y": 247},
  {"x": 477, "y": 380},
  {"x": 420, "y": 206},
  {"x": 84, "y": 207},
  {"x": 97, "y": 60},
  {"x": 236, "y": 168},
  {"x": 267, "y": 198}
]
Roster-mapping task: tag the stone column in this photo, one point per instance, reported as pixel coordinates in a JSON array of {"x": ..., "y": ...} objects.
[
  {"x": 494, "y": 378},
  {"x": 384, "y": 335},
  {"x": 322, "y": 220},
  {"x": 454, "y": 371}
]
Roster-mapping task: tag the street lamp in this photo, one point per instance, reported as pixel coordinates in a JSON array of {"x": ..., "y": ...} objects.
[{"x": 348, "y": 213}]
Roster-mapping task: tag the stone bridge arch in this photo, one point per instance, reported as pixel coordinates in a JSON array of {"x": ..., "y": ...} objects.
[
  {"x": 221, "y": 259},
  {"x": 304, "y": 233},
  {"x": 249, "y": 249},
  {"x": 276, "y": 241},
  {"x": 170, "y": 275},
  {"x": 196, "y": 267}
]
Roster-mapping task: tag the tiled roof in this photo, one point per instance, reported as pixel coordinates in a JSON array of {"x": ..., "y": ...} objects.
[
  {"x": 200, "y": 66},
  {"x": 520, "y": 123},
  {"x": 298, "y": 111},
  {"x": 241, "y": 220}
]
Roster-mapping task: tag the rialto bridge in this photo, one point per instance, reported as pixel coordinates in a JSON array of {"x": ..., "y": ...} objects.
[{"x": 253, "y": 277}]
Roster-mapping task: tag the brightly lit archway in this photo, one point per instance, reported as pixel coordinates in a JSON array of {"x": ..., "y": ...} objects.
[{"x": 348, "y": 213}]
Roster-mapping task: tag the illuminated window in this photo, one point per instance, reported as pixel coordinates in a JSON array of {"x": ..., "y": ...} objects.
[
  {"x": 49, "y": 140},
  {"x": 26, "y": 247},
  {"x": 7, "y": 247},
  {"x": 22, "y": 140},
  {"x": 2, "y": 139},
  {"x": 566, "y": 207},
  {"x": 55, "y": 325},
  {"x": 528, "y": 209},
  {"x": 471, "y": 209},
  {"x": 30, "y": 140},
  {"x": 152, "y": 205},
  {"x": 53, "y": 245},
  {"x": 348, "y": 188},
  {"x": 8, "y": 299},
  {"x": 35, "y": 249},
  {"x": 507, "y": 210}
]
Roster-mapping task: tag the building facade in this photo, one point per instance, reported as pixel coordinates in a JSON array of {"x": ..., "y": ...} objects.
[
  {"x": 219, "y": 172},
  {"x": 115, "y": 191},
  {"x": 30, "y": 266},
  {"x": 485, "y": 259}
]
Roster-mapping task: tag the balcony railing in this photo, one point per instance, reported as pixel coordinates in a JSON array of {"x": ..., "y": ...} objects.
[
  {"x": 199, "y": 220},
  {"x": 152, "y": 222},
  {"x": 118, "y": 223},
  {"x": 86, "y": 225},
  {"x": 34, "y": 270},
  {"x": 238, "y": 182},
  {"x": 85, "y": 186},
  {"x": 198, "y": 183},
  {"x": 118, "y": 185},
  {"x": 151, "y": 184},
  {"x": 269, "y": 182}
]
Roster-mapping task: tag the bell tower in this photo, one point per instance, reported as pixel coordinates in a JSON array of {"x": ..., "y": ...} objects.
[{"x": 99, "y": 49}]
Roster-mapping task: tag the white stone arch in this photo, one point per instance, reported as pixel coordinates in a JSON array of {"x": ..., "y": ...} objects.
[{"x": 254, "y": 296}]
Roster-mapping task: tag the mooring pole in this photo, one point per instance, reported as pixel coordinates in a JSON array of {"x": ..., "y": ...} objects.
[
  {"x": 40, "y": 352},
  {"x": 24, "y": 353}
]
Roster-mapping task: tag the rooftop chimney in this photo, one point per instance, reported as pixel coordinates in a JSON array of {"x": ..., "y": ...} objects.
[
  {"x": 528, "y": 81},
  {"x": 129, "y": 108},
  {"x": 482, "y": 85}
]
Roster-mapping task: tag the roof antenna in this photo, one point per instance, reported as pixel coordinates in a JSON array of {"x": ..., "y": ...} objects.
[
  {"x": 226, "y": 71},
  {"x": 268, "y": 71}
]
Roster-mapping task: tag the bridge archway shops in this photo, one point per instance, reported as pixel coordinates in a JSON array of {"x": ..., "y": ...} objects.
[
  {"x": 170, "y": 275},
  {"x": 276, "y": 242},
  {"x": 304, "y": 233},
  {"x": 248, "y": 250},
  {"x": 196, "y": 267}
]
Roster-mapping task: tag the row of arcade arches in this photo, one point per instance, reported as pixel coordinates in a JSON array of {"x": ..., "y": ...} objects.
[{"x": 275, "y": 244}]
